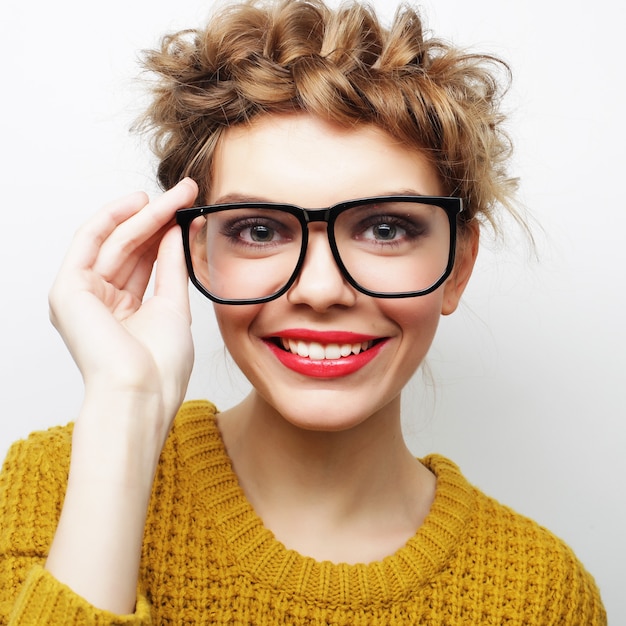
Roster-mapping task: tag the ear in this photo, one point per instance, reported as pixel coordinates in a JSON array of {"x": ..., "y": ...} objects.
[{"x": 466, "y": 253}]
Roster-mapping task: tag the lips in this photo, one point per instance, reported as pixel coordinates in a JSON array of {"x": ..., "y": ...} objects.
[{"x": 324, "y": 354}]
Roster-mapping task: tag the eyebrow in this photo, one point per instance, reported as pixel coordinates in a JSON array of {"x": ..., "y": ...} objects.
[{"x": 240, "y": 197}]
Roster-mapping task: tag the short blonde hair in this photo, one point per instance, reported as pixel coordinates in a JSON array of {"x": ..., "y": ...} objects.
[{"x": 342, "y": 65}]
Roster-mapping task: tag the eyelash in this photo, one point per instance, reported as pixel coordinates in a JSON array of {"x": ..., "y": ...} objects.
[
  {"x": 412, "y": 230},
  {"x": 235, "y": 228}
]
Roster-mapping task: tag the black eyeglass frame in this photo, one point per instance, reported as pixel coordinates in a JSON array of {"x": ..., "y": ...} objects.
[{"x": 453, "y": 206}]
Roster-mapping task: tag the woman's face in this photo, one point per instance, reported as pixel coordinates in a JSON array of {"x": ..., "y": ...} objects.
[{"x": 301, "y": 160}]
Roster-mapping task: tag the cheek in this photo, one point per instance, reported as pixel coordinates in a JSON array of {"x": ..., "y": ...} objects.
[
  {"x": 234, "y": 322},
  {"x": 417, "y": 317},
  {"x": 417, "y": 320}
]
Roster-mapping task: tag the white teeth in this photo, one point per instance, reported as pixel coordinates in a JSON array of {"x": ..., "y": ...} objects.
[
  {"x": 333, "y": 351},
  {"x": 317, "y": 351}
]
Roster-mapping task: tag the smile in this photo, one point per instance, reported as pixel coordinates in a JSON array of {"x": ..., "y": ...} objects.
[
  {"x": 324, "y": 355},
  {"x": 318, "y": 352}
]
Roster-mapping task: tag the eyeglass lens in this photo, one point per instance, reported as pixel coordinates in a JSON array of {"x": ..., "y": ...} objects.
[{"x": 387, "y": 247}]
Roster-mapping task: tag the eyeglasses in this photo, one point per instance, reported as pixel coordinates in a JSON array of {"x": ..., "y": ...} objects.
[{"x": 386, "y": 246}]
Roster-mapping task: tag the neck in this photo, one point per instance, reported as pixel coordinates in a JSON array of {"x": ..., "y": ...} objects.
[{"x": 305, "y": 483}]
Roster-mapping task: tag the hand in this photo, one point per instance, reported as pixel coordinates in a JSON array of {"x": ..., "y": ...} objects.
[
  {"x": 135, "y": 356},
  {"x": 121, "y": 343}
]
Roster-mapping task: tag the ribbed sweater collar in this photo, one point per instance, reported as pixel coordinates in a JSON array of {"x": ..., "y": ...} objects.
[{"x": 265, "y": 560}]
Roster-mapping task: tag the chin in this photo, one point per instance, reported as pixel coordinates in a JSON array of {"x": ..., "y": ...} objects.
[{"x": 332, "y": 414}]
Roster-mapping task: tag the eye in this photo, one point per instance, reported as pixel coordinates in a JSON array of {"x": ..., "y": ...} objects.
[
  {"x": 386, "y": 231},
  {"x": 259, "y": 233},
  {"x": 386, "y": 225},
  {"x": 255, "y": 229}
]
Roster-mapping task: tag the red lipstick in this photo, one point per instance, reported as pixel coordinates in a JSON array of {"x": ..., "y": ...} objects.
[
  {"x": 324, "y": 368},
  {"x": 325, "y": 336}
]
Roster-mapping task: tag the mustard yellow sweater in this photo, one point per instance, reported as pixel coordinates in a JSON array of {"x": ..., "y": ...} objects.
[{"x": 207, "y": 559}]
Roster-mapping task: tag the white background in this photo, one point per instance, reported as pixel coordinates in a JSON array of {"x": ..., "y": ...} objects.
[{"x": 528, "y": 378}]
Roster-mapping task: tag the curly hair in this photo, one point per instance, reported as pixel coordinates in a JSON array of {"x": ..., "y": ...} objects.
[{"x": 255, "y": 58}]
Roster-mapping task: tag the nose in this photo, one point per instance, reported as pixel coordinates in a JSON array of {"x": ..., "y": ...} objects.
[{"x": 320, "y": 283}]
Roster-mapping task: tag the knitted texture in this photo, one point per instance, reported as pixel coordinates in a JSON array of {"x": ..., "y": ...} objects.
[{"x": 207, "y": 558}]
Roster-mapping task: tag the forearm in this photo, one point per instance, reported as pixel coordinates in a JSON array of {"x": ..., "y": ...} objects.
[
  {"x": 97, "y": 547},
  {"x": 135, "y": 355}
]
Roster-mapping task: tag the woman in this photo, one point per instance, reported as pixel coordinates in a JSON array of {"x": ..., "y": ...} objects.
[{"x": 337, "y": 173}]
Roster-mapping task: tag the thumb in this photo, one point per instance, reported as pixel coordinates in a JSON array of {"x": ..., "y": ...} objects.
[{"x": 171, "y": 279}]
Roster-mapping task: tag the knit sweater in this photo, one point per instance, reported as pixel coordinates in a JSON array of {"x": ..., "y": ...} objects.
[{"x": 208, "y": 559}]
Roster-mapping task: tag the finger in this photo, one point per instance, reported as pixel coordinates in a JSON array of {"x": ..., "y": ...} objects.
[
  {"x": 134, "y": 278},
  {"x": 139, "y": 263},
  {"x": 130, "y": 239},
  {"x": 137, "y": 280},
  {"x": 74, "y": 274},
  {"x": 171, "y": 280},
  {"x": 90, "y": 236}
]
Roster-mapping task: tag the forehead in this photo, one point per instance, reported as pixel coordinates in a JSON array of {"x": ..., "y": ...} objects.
[{"x": 303, "y": 160}]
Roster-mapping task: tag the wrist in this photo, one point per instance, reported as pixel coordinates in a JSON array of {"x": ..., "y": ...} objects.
[
  {"x": 116, "y": 445},
  {"x": 120, "y": 433}
]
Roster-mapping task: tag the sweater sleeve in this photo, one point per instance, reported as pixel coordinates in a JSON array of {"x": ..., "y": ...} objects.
[
  {"x": 574, "y": 596},
  {"x": 32, "y": 488}
]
